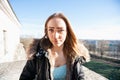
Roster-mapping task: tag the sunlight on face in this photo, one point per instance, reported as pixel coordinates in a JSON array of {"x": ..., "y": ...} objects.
[{"x": 56, "y": 29}]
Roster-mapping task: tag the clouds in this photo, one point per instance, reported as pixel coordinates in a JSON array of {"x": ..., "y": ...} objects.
[{"x": 106, "y": 32}]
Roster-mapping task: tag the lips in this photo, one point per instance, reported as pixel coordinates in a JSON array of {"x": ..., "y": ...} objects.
[{"x": 55, "y": 41}]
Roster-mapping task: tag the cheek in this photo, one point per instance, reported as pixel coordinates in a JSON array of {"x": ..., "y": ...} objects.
[
  {"x": 64, "y": 36},
  {"x": 49, "y": 36}
]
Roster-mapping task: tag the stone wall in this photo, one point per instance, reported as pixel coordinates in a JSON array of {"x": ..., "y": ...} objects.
[{"x": 20, "y": 54}]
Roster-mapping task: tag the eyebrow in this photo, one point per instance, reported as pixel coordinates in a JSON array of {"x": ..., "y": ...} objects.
[
  {"x": 50, "y": 27},
  {"x": 54, "y": 27}
]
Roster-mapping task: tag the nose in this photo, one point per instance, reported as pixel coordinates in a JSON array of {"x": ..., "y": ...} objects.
[{"x": 56, "y": 35}]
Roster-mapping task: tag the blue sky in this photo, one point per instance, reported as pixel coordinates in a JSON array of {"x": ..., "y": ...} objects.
[{"x": 90, "y": 19}]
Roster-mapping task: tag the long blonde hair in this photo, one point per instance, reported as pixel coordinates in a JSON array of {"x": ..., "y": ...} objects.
[{"x": 72, "y": 47}]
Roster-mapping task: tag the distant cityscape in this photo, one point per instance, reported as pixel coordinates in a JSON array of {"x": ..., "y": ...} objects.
[
  {"x": 111, "y": 43},
  {"x": 110, "y": 48}
]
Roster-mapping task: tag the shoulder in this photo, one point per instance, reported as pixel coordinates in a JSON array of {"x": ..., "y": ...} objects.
[
  {"x": 33, "y": 47},
  {"x": 79, "y": 59},
  {"x": 84, "y": 52}
]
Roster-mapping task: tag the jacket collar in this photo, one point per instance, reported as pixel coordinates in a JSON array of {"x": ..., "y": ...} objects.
[{"x": 42, "y": 52}]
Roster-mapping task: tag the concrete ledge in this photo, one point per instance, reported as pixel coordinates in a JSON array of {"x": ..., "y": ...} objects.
[
  {"x": 12, "y": 71},
  {"x": 91, "y": 75}
]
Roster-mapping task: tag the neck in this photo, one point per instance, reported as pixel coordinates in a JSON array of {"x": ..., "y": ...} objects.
[{"x": 58, "y": 49}]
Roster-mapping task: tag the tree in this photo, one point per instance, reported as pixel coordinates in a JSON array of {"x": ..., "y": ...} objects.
[{"x": 102, "y": 46}]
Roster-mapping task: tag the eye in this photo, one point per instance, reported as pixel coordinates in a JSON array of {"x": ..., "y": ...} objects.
[
  {"x": 51, "y": 30},
  {"x": 60, "y": 30}
]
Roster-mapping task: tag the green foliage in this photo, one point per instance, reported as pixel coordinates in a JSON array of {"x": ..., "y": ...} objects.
[
  {"x": 115, "y": 74},
  {"x": 106, "y": 70}
]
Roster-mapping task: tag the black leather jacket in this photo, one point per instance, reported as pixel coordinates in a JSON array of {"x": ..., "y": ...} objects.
[{"x": 39, "y": 68}]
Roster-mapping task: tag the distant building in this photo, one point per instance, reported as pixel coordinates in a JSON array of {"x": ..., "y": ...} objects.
[
  {"x": 9, "y": 31},
  {"x": 114, "y": 45}
]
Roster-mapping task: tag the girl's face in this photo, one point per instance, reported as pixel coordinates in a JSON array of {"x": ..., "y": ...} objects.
[{"x": 56, "y": 31}]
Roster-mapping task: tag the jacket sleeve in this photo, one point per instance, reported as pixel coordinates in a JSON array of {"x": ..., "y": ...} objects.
[
  {"x": 29, "y": 71},
  {"x": 78, "y": 73}
]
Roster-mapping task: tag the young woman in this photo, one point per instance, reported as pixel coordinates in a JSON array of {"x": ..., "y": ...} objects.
[{"x": 56, "y": 56}]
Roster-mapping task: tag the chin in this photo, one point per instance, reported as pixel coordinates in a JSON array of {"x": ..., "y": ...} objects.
[{"x": 58, "y": 45}]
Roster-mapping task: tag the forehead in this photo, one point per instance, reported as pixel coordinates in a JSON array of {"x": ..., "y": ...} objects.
[{"x": 56, "y": 22}]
